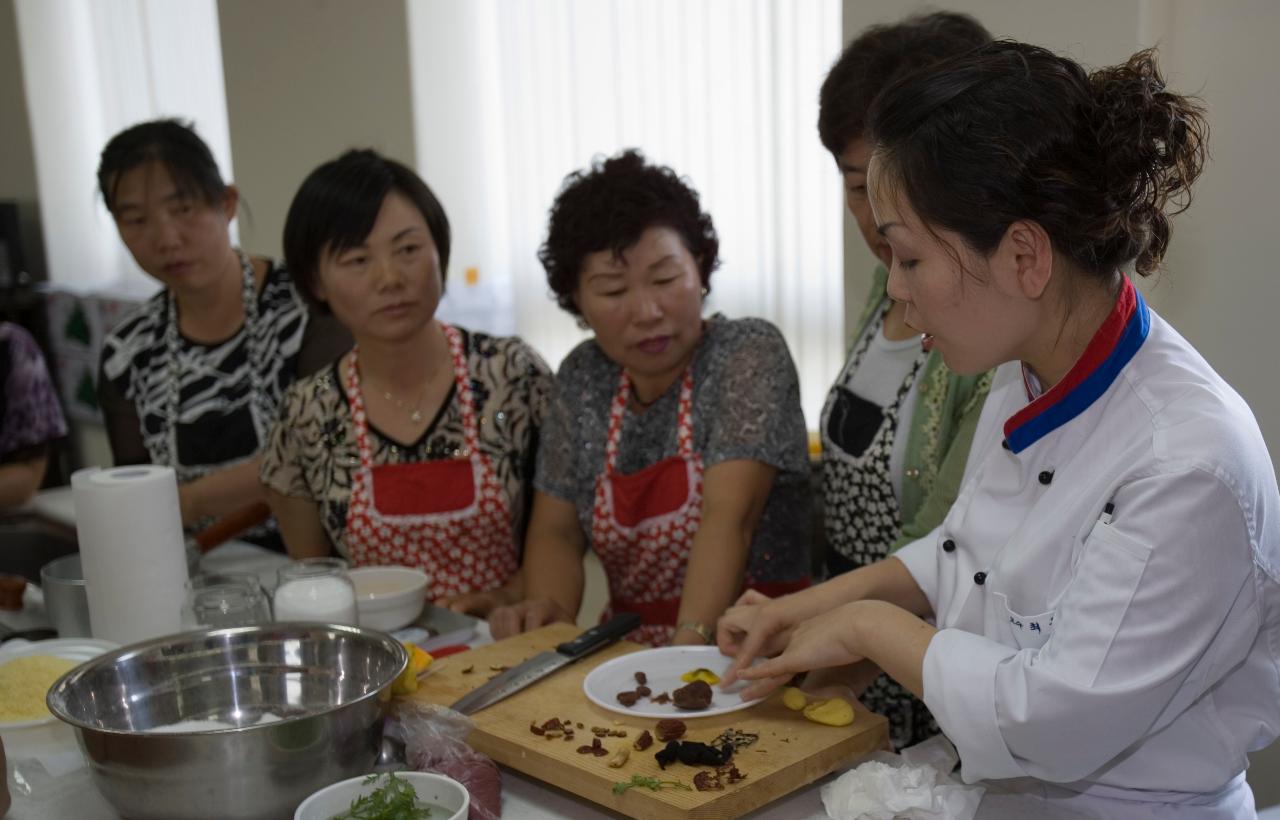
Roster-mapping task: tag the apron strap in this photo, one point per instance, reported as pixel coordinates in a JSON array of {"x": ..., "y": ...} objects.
[
  {"x": 684, "y": 419},
  {"x": 461, "y": 378},
  {"x": 616, "y": 412},
  {"x": 355, "y": 397}
]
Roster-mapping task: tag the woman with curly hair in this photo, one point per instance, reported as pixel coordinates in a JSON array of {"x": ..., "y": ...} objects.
[{"x": 674, "y": 445}]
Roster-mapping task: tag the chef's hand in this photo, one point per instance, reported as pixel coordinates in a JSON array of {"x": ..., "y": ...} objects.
[
  {"x": 848, "y": 681},
  {"x": 755, "y": 625},
  {"x": 818, "y": 643},
  {"x": 506, "y": 621}
]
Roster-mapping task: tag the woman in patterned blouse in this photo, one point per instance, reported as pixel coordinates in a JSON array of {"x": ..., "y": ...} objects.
[
  {"x": 417, "y": 447},
  {"x": 675, "y": 445},
  {"x": 192, "y": 378}
]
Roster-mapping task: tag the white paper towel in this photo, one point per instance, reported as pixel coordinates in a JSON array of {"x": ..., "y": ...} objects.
[
  {"x": 131, "y": 549},
  {"x": 912, "y": 786}
]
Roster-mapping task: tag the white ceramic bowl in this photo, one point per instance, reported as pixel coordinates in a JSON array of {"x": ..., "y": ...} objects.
[
  {"x": 389, "y": 598},
  {"x": 435, "y": 790}
]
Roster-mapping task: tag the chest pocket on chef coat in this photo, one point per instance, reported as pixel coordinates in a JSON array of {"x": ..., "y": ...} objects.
[
  {"x": 1026, "y": 631},
  {"x": 1095, "y": 604}
]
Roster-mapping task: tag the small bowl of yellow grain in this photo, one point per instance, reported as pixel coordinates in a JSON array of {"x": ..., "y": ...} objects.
[{"x": 29, "y": 670}]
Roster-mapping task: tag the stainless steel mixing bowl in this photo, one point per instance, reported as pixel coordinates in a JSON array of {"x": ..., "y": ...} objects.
[{"x": 328, "y": 684}]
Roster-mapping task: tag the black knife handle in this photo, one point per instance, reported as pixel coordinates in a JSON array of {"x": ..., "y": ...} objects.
[{"x": 598, "y": 636}]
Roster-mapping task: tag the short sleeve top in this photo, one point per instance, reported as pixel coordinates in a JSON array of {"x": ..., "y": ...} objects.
[
  {"x": 312, "y": 451},
  {"x": 215, "y": 425},
  {"x": 746, "y": 405}
]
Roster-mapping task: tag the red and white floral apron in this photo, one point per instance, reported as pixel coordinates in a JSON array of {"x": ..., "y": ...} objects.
[
  {"x": 642, "y": 525},
  {"x": 447, "y": 517}
]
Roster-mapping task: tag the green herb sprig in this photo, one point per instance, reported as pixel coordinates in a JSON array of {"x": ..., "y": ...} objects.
[
  {"x": 395, "y": 799},
  {"x": 650, "y": 783}
]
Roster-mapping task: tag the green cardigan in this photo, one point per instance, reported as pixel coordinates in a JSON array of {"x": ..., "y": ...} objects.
[{"x": 942, "y": 426}]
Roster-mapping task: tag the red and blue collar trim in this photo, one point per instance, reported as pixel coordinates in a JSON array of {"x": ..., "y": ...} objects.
[{"x": 1115, "y": 343}]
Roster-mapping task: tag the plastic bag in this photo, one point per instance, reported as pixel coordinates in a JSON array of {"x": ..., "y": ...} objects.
[{"x": 434, "y": 740}]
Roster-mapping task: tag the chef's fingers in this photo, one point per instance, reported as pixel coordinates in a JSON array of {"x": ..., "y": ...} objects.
[
  {"x": 749, "y": 648},
  {"x": 730, "y": 632},
  {"x": 762, "y": 687},
  {"x": 752, "y": 597}
]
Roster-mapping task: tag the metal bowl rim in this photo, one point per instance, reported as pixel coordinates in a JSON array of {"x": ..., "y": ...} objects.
[{"x": 61, "y": 684}]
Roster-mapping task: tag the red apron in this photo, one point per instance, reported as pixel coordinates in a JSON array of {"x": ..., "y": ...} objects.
[
  {"x": 642, "y": 525},
  {"x": 449, "y": 517}
]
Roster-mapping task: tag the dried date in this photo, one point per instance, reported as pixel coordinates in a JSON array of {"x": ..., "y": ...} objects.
[
  {"x": 670, "y": 729},
  {"x": 694, "y": 697}
]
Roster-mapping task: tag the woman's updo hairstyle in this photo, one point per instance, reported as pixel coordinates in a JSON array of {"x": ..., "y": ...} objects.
[{"x": 1012, "y": 131}]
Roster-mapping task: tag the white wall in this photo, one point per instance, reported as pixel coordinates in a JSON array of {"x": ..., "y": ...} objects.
[
  {"x": 1096, "y": 32},
  {"x": 17, "y": 158},
  {"x": 306, "y": 80},
  {"x": 1220, "y": 286}
]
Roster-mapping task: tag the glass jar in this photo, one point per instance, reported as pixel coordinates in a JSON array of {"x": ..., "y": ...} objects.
[
  {"x": 219, "y": 600},
  {"x": 315, "y": 589}
]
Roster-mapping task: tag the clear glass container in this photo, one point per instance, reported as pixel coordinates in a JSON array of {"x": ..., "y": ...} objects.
[
  {"x": 315, "y": 589},
  {"x": 219, "y": 600}
]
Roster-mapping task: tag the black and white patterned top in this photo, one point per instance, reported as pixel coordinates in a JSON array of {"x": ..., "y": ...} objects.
[
  {"x": 312, "y": 452},
  {"x": 746, "y": 405},
  {"x": 215, "y": 425}
]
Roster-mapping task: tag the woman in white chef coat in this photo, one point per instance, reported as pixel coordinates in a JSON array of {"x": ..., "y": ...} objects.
[{"x": 1096, "y": 622}]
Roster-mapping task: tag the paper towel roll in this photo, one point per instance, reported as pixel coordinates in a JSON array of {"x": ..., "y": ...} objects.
[{"x": 132, "y": 550}]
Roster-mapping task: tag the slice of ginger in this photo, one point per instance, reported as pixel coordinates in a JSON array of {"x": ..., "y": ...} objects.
[
  {"x": 830, "y": 712},
  {"x": 794, "y": 699}
]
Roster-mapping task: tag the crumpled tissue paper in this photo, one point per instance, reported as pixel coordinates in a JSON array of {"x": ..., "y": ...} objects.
[{"x": 915, "y": 785}]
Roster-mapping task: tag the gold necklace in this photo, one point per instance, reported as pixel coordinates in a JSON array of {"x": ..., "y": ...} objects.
[{"x": 415, "y": 412}]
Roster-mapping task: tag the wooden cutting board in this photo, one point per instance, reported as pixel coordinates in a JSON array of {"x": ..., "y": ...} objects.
[{"x": 791, "y": 752}]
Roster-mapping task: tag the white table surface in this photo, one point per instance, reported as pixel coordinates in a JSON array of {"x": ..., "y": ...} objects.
[
  {"x": 49, "y": 779},
  {"x": 55, "y": 504}
]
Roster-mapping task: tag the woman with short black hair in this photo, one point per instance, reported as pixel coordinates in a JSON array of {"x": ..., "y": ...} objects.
[
  {"x": 417, "y": 447},
  {"x": 675, "y": 445}
]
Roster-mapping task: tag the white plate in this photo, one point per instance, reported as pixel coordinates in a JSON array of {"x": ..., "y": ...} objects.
[
  {"x": 73, "y": 649},
  {"x": 663, "y": 668}
]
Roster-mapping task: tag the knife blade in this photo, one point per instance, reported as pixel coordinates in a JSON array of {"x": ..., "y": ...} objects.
[{"x": 544, "y": 663}]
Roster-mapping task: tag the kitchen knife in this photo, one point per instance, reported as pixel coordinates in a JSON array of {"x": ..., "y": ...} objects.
[{"x": 544, "y": 663}]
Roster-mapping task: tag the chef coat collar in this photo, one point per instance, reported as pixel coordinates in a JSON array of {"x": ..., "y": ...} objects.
[{"x": 1115, "y": 343}]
